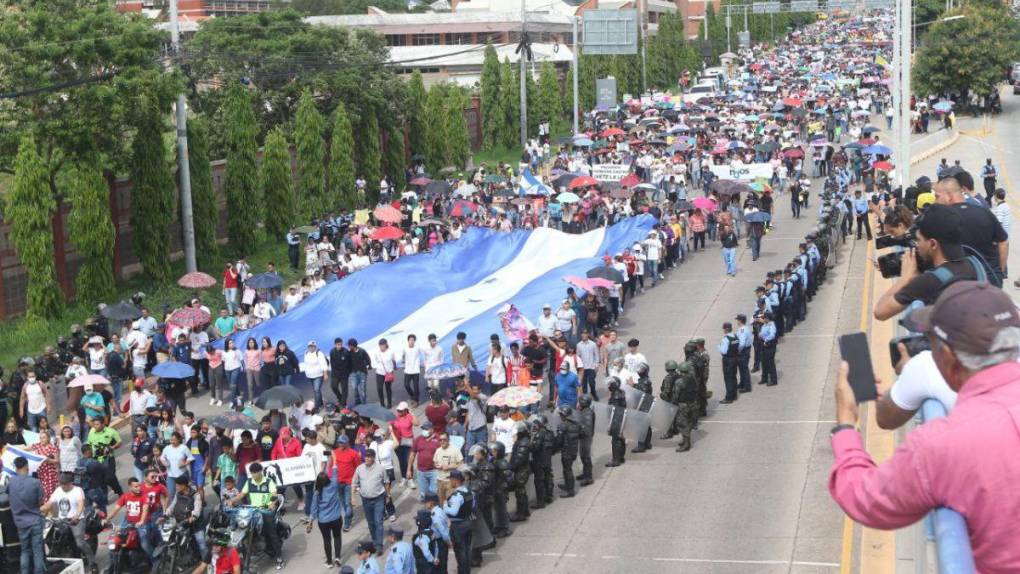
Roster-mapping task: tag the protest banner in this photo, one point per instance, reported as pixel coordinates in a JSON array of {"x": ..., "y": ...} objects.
[
  {"x": 288, "y": 471},
  {"x": 743, "y": 171},
  {"x": 609, "y": 171}
]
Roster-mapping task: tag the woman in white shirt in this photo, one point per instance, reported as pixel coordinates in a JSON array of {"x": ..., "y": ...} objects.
[
  {"x": 384, "y": 363},
  {"x": 497, "y": 371},
  {"x": 384, "y": 449},
  {"x": 232, "y": 365}
]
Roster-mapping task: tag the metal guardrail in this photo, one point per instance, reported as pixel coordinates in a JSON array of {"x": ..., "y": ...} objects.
[{"x": 952, "y": 542}]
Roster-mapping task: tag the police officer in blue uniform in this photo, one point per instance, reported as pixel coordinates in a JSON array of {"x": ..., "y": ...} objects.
[
  {"x": 729, "y": 348},
  {"x": 745, "y": 340},
  {"x": 768, "y": 360},
  {"x": 459, "y": 508}
]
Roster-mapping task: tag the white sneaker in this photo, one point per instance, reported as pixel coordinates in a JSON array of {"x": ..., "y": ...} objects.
[
  {"x": 212, "y": 402},
  {"x": 412, "y": 484},
  {"x": 393, "y": 518},
  {"x": 219, "y": 403}
]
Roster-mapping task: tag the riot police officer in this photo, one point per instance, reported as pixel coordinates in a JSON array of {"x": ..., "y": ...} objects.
[
  {"x": 568, "y": 440},
  {"x": 502, "y": 478},
  {"x": 685, "y": 397},
  {"x": 666, "y": 392},
  {"x": 483, "y": 486},
  {"x": 617, "y": 399},
  {"x": 701, "y": 363},
  {"x": 520, "y": 465},
  {"x": 543, "y": 445},
  {"x": 644, "y": 384},
  {"x": 586, "y": 418}
]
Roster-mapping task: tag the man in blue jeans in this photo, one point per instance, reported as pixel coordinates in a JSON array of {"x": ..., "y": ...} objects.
[
  {"x": 373, "y": 484},
  {"x": 423, "y": 451},
  {"x": 360, "y": 361},
  {"x": 26, "y": 495}
]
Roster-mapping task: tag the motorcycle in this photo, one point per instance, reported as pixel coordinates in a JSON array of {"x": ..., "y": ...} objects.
[
  {"x": 58, "y": 535},
  {"x": 177, "y": 551},
  {"x": 246, "y": 533},
  {"x": 126, "y": 554}
]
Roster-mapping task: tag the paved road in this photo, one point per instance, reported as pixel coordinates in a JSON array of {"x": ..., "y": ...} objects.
[{"x": 749, "y": 497}]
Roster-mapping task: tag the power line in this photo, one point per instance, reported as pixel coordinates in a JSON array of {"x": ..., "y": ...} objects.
[{"x": 60, "y": 86}]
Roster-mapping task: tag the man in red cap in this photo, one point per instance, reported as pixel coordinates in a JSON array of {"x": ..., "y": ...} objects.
[{"x": 968, "y": 461}]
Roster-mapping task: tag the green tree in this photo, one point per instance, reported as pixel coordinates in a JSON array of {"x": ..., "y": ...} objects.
[
  {"x": 244, "y": 200},
  {"x": 341, "y": 160},
  {"x": 333, "y": 7},
  {"x": 394, "y": 159},
  {"x": 55, "y": 42},
  {"x": 492, "y": 113},
  {"x": 459, "y": 140},
  {"x": 369, "y": 161},
  {"x": 311, "y": 153},
  {"x": 510, "y": 104},
  {"x": 668, "y": 54},
  {"x": 437, "y": 139},
  {"x": 152, "y": 199},
  {"x": 28, "y": 209},
  {"x": 415, "y": 113},
  {"x": 92, "y": 231},
  {"x": 277, "y": 183},
  {"x": 203, "y": 196},
  {"x": 967, "y": 55},
  {"x": 549, "y": 107}
]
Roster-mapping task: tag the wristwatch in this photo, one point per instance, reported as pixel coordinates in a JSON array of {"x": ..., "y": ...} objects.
[{"x": 841, "y": 427}]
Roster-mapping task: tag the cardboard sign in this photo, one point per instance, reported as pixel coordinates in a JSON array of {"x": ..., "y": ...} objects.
[{"x": 743, "y": 172}]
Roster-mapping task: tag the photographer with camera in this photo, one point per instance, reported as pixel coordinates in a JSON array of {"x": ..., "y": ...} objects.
[
  {"x": 980, "y": 230},
  {"x": 934, "y": 260},
  {"x": 918, "y": 379}
]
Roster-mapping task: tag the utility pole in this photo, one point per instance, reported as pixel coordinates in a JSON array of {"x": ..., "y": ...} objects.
[
  {"x": 574, "y": 62},
  {"x": 906, "y": 55},
  {"x": 644, "y": 25},
  {"x": 524, "y": 84},
  {"x": 183, "y": 167},
  {"x": 729, "y": 24}
]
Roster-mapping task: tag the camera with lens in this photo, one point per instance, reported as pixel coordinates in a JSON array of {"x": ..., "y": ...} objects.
[
  {"x": 891, "y": 264},
  {"x": 914, "y": 344}
]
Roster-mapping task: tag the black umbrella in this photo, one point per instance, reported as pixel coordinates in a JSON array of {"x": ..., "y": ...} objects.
[
  {"x": 608, "y": 273},
  {"x": 564, "y": 140},
  {"x": 264, "y": 281},
  {"x": 279, "y": 397},
  {"x": 683, "y": 205},
  {"x": 123, "y": 311},
  {"x": 233, "y": 420},
  {"x": 438, "y": 187},
  {"x": 375, "y": 411},
  {"x": 563, "y": 180},
  {"x": 417, "y": 157}
]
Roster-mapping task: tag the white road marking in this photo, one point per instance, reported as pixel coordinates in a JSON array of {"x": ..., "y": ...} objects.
[
  {"x": 805, "y": 422},
  {"x": 684, "y": 560}
]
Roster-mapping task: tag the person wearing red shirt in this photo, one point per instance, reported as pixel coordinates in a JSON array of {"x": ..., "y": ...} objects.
[
  {"x": 222, "y": 558},
  {"x": 247, "y": 453},
  {"x": 288, "y": 447},
  {"x": 423, "y": 450},
  {"x": 156, "y": 495},
  {"x": 436, "y": 412},
  {"x": 230, "y": 287},
  {"x": 136, "y": 507},
  {"x": 345, "y": 462}
]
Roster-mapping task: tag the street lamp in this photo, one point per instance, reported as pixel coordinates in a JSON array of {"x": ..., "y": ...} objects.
[{"x": 946, "y": 19}]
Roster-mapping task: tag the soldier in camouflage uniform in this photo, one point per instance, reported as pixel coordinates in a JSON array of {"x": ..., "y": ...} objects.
[
  {"x": 666, "y": 394},
  {"x": 700, "y": 361},
  {"x": 644, "y": 384},
  {"x": 686, "y": 398}
]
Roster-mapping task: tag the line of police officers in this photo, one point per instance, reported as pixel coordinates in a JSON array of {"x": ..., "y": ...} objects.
[{"x": 780, "y": 304}]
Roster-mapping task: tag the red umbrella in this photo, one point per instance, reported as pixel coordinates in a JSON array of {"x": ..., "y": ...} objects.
[
  {"x": 462, "y": 208},
  {"x": 630, "y": 180},
  {"x": 611, "y": 132},
  {"x": 793, "y": 102},
  {"x": 388, "y": 214},
  {"x": 794, "y": 153},
  {"x": 420, "y": 181},
  {"x": 387, "y": 232},
  {"x": 583, "y": 181},
  {"x": 883, "y": 165},
  {"x": 189, "y": 317},
  {"x": 196, "y": 280}
]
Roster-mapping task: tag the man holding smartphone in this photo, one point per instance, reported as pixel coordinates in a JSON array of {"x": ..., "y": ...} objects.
[{"x": 967, "y": 461}]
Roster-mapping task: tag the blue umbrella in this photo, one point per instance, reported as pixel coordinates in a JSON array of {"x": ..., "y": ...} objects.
[
  {"x": 758, "y": 217},
  {"x": 943, "y": 106},
  {"x": 173, "y": 370},
  {"x": 582, "y": 142},
  {"x": 264, "y": 281},
  {"x": 446, "y": 371},
  {"x": 877, "y": 149}
]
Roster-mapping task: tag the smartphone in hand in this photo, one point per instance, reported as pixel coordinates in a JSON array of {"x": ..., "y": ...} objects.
[{"x": 854, "y": 350}]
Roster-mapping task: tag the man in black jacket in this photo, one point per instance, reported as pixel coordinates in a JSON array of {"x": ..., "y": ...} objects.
[{"x": 339, "y": 370}]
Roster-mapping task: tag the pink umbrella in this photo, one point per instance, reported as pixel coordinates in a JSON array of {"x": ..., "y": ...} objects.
[
  {"x": 189, "y": 317},
  {"x": 388, "y": 214},
  {"x": 196, "y": 280},
  {"x": 86, "y": 380},
  {"x": 704, "y": 203}
]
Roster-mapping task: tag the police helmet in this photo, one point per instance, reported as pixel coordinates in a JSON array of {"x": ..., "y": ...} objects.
[
  {"x": 671, "y": 365},
  {"x": 521, "y": 427},
  {"x": 584, "y": 401},
  {"x": 540, "y": 420},
  {"x": 613, "y": 383},
  {"x": 423, "y": 519},
  {"x": 565, "y": 411},
  {"x": 642, "y": 369},
  {"x": 685, "y": 367},
  {"x": 497, "y": 449},
  {"x": 475, "y": 449}
]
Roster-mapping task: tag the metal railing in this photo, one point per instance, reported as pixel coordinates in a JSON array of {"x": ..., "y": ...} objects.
[{"x": 952, "y": 541}]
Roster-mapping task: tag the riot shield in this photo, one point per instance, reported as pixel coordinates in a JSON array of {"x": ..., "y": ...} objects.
[
  {"x": 662, "y": 414},
  {"x": 635, "y": 425}
]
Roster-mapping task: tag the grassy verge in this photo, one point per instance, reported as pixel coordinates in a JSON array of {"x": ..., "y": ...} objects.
[{"x": 21, "y": 336}]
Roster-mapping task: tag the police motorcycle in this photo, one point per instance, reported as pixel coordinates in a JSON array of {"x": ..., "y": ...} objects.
[{"x": 177, "y": 551}]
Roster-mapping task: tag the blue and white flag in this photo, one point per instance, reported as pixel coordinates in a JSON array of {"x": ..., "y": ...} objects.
[
  {"x": 13, "y": 452},
  {"x": 459, "y": 286},
  {"x": 530, "y": 185}
]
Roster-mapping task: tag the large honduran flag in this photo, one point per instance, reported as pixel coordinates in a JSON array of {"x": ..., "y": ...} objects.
[{"x": 460, "y": 286}]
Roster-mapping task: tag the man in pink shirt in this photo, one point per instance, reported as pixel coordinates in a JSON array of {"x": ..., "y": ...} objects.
[{"x": 968, "y": 461}]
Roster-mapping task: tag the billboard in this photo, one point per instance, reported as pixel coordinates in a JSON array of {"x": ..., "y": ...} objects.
[
  {"x": 605, "y": 93},
  {"x": 609, "y": 32}
]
